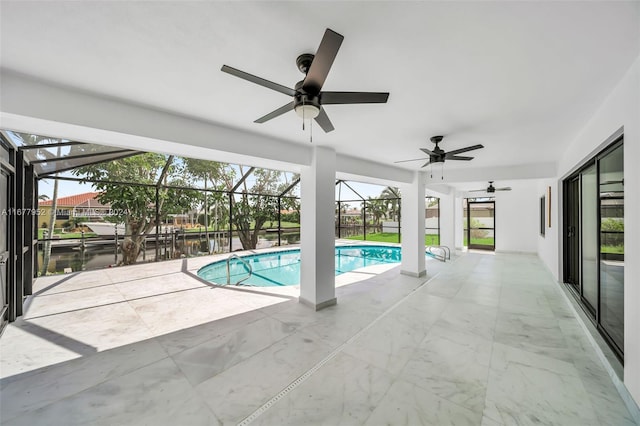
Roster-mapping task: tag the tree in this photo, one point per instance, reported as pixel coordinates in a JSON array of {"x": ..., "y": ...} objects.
[
  {"x": 250, "y": 209},
  {"x": 135, "y": 205},
  {"x": 289, "y": 201},
  {"x": 213, "y": 174},
  {"x": 392, "y": 203},
  {"x": 376, "y": 208}
]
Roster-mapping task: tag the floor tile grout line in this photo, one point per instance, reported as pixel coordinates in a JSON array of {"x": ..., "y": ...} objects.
[
  {"x": 302, "y": 378},
  {"x": 42, "y": 293},
  {"x": 493, "y": 343},
  {"x": 125, "y": 300}
]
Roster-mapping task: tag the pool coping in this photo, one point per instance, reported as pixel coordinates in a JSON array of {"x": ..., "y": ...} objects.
[{"x": 222, "y": 257}]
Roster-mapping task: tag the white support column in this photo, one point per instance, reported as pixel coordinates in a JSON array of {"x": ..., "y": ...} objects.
[
  {"x": 412, "y": 223},
  {"x": 317, "y": 222},
  {"x": 458, "y": 225},
  {"x": 447, "y": 220}
]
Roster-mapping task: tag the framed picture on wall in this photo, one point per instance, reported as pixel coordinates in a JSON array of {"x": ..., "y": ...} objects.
[
  {"x": 549, "y": 206},
  {"x": 543, "y": 211}
]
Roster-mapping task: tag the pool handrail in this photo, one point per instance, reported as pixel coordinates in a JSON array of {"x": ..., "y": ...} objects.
[
  {"x": 235, "y": 256},
  {"x": 446, "y": 252}
]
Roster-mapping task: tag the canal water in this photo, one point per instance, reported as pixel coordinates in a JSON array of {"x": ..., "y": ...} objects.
[{"x": 67, "y": 256}]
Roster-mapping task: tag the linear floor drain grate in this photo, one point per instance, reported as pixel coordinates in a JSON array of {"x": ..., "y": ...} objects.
[{"x": 297, "y": 382}]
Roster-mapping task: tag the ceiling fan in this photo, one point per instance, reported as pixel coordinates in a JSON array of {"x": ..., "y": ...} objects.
[
  {"x": 491, "y": 189},
  {"x": 438, "y": 155},
  {"x": 308, "y": 97}
]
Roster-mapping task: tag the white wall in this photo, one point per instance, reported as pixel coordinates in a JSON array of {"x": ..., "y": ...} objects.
[
  {"x": 620, "y": 109},
  {"x": 517, "y": 218},
  {"x": 548, "y": 245}
]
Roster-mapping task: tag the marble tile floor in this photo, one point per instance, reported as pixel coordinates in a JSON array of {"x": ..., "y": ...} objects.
[{"x": 482, "y": 340}]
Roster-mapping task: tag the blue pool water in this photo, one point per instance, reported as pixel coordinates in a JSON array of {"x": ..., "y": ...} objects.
[{"x": 283, "y": 268}]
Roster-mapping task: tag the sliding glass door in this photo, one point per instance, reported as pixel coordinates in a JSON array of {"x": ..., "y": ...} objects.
[
  {"x": 611, "y": 185},
  {"x": 594, "y": 241}
]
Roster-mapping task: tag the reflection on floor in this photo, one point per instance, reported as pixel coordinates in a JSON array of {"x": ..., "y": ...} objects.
[{"x": 487, "y": 340}]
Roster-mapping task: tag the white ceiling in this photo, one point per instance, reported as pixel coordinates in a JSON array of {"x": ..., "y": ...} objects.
[{"x": 519, "y": 77}]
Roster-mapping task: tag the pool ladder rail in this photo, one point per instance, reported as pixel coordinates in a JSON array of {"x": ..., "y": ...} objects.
[
  {"x": 247, "y": 265},
  {"x": 442, "y": 253}
]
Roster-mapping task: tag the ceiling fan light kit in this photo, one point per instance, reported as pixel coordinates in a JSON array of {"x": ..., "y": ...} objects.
[
  {"x": 308, "y": 96},
  {"x": 307, "y": 111}
]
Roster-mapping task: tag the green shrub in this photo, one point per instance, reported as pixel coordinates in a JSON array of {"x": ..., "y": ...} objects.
[{"x": 612, "y": 224}]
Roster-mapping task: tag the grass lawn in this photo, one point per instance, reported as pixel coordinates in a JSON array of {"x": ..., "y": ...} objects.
[
  {"x": 489, "y": 241},
  {"x": 612, "y": 249},
  {"x": 66, "y": 235},
  {"x": 390, "y": 237},
  {"x": 382, "y": 237}
]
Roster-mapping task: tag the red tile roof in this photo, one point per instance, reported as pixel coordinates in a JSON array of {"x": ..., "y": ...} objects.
[{"x": 72, "y": 200}]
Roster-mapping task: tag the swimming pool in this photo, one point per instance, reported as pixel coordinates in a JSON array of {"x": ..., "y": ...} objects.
[{"x": 282, "y": 268}]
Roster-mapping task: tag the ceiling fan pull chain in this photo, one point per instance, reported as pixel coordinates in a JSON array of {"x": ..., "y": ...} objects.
[
  {"x": 310, "y": 131},
  {"x": 303, "y": 109},
  {"x": 442, "y": 171}
]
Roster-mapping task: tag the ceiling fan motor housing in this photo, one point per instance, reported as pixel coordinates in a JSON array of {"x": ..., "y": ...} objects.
[
  {"x": 304, "y": 61},
  {"x": 439, "y": 157}
]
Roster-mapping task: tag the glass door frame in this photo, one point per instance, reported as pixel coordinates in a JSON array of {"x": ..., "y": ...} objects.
[
  {"x": 468, "y": 230},
  {"x": 9, "y": 308},
  {"x": 571, "y": 232}
]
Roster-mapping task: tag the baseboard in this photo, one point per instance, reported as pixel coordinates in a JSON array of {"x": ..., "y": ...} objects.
[
  {"x": 318, "y": 306},
  {"x": 413, "y": 274},
  {"x": 516, "y": 252}
]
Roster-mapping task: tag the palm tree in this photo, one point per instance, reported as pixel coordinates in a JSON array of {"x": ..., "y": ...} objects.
[
  {"x": 392, "y": 201},
  {"x": 376, "y": 208}
]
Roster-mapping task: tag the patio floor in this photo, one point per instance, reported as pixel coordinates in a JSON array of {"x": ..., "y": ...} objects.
[{"x": 482, "y": 340}]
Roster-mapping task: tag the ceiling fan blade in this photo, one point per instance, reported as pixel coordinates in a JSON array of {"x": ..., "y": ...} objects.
[
  {"x": 322, "y": 61},
  {"x": 259, "y": 81},
  {"x": 458, "y": 157},
  {"x": 426, "y": 151},
  {"x": 406, "y": 161},
  {"x": 333, "y": 98},
  {"x": 506, "y": 188},
  {"x": 461, "y": 150},
  {"x": 477, "y": 190},
  {"x": 323, "y": 120},
  {"x": 426, "y": 164},
  {"x": 273, "y": 114}
]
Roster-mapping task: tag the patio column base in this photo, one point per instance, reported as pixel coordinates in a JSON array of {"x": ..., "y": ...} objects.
[
  {"x": 414, "y": 274},
  {"x": 318, "y": 306}
]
